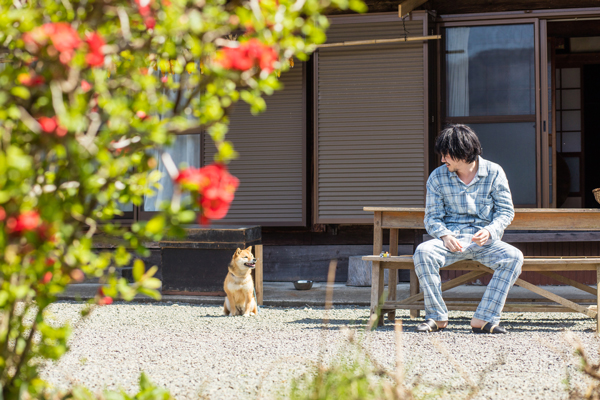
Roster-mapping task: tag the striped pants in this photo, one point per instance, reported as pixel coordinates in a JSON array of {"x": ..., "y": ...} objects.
[{"x": 504, "y": 259}]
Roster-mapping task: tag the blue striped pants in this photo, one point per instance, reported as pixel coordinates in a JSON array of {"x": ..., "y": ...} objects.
[{"x": 504, "y": 259}]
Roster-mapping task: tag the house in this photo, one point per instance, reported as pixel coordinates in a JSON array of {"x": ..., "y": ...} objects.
[{"x": 354, "y": 126}]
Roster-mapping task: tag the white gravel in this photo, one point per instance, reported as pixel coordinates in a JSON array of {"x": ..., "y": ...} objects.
[{"x": 196, "y": 352}]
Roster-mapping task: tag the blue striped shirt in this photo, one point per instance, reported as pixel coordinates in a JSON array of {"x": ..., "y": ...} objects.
[{"x": 454, "y": 208}]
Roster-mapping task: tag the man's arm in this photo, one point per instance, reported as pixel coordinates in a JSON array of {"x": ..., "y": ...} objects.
[
  {"x": 434, "y": 211},
  {"x": 503, "y": 207}
]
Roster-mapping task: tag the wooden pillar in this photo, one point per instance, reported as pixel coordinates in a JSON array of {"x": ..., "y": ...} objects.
[
  {"x": 414, "y": 281},
  {"x": 393, "y": 273},
  {"x": 258, "y": 273},
  {"x": 598, "y": 297},
  {"x": 377, "y": 273}
]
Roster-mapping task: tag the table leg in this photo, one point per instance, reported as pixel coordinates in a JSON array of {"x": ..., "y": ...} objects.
[
  {"x": 376, "y": 291},
  {"x": 393, "y": 273},
  {"x": 258, "y": 273},
  {"x": 414, "y": 280},
  {"x": 377, "y": 273}
]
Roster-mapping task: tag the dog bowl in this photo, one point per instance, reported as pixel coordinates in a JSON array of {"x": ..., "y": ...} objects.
[{"x": 303, "y": 285}]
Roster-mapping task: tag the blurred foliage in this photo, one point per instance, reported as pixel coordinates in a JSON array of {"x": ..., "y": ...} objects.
[{"x": 90, "y": 91}]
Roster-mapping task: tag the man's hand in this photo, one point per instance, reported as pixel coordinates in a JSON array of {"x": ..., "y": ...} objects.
[
  {"x": 481, "y": 237},
  {"x": 451, "y": 243}
]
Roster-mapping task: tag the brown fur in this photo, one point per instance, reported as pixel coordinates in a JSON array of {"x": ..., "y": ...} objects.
[{"x": 239, "y": 286}]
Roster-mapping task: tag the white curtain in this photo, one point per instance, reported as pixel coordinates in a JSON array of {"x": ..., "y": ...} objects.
[
  {"x": 457, "y": 57},
  {"x": 185, "y": 153}
]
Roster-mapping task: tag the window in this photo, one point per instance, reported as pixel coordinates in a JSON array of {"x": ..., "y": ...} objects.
[{"x": 490, "y": 85}]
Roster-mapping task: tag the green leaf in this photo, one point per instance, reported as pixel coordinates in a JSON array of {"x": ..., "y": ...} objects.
[
  {"x": 152, "y": 283},
  {"x": 138, "y": 269},
  {"x": 156, "y": 225},
  {"x": 21, "y": 92}
]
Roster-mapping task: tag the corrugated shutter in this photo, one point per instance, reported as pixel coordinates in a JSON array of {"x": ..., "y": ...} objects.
[
  {"x": 271, "y": 163},
  {"x": 370, "y": 139}
]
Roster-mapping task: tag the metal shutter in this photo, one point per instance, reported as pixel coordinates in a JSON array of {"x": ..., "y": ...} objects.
[
  {"x": 370, "y": 128},
  {"x": 271, "y": 163}
]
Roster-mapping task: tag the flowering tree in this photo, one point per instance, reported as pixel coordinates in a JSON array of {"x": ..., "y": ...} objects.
[{"x": 90, "y": 92}]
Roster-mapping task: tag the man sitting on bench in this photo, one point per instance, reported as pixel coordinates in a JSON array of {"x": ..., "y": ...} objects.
[{"x": 467, "y": 209}]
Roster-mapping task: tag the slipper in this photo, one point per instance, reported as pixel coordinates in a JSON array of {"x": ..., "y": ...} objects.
[
  {"x": 489, "y": 328},
  {"x": 428, "y": 326}
]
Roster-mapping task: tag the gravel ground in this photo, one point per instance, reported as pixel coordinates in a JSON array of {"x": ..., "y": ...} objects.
[{"x": 196, "y": 352}]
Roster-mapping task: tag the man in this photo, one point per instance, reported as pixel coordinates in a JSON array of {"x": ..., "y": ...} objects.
[{"x": 468, "y": 207}]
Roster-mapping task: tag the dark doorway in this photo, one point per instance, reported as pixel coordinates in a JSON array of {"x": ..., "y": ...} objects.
[{"x": 591, "y": 121}]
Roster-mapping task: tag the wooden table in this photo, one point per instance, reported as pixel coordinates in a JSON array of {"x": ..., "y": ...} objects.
[{"x": 529, "y": 219}]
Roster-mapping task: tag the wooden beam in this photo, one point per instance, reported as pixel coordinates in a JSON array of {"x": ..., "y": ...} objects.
[
  {"x": 461, "y": 280},
  {"x": 407, "y": 6},
  {"x": 380, "y": 41},
  {"x": 517, "y": 307},
  {"x": 567, "y": 281}
]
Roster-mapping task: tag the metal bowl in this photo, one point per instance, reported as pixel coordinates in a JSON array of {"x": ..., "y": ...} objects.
[{"x": 303, "y": 285}]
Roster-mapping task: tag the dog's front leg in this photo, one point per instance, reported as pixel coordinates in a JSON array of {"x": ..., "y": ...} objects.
[
  {"x": 230, "y": 303},
  {"x": 249, "y": 306}
]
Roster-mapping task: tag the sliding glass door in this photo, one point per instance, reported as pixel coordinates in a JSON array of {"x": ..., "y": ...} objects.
[{"x": 489, "y": 83}]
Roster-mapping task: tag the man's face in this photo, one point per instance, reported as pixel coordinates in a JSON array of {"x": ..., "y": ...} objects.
[{"x": 452, "y": 163}]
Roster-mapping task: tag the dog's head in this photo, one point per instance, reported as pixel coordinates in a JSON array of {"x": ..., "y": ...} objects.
[{"x": 244, "y": 259}]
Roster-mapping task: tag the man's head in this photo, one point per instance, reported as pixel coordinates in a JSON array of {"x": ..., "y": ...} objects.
[{"x": 457, "y": 145}]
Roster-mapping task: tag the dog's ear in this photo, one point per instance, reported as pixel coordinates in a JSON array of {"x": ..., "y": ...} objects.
[
  {"x": 249, "y": 249},
  {"x": 238, "y": 251}
]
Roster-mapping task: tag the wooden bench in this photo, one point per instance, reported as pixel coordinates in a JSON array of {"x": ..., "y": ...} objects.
[{"x": 396, "y": 218}]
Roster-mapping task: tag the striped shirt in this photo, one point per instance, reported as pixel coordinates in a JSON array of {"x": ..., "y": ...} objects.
[{"x": 455, "y": 208}]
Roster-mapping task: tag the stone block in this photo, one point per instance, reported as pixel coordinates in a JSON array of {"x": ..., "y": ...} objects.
[{"x": 359, "y": 272}]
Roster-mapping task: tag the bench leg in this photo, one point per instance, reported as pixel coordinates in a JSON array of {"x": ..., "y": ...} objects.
[
  {"x": 376, "y": 291},
  {"x": 598, "y": 297},
  {"x": 414, "y": 289},
  {"x": 393, "y": 273},
  {"x": 392, "y": 278}
]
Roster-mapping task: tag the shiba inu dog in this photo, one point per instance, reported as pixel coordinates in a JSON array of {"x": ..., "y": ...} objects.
[{"x": 239, "y": 286}]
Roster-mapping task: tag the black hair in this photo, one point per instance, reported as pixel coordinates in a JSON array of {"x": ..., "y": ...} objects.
[{"x": 459, "y": 142}]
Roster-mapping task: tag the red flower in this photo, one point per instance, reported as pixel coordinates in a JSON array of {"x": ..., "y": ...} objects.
[
  {"x": 216, "y": 187},
  {"x": 150, "y": 22},
  {"x": 63, "y": 37},
  {"x": 248, "y": 55},
  {"x": 144, "y": 7},
  {"x": 214, "y": 208},
  {"x": 267, "y": 58},
  {"x": 47, "y": 277},
  {"x": 2, "y": 214},
  {"x": 48, "y": 124},
  {"x": 95, "y": 57},
  {"x": 30, "y": 79},
  {"x": 51, "y": 125},
  {"x": 104, "y": 301},
  {"x": 164, "y": 79},
  {"x": 26, "y": 221},
  {"x": 141, "y": 114},
  {"x": 85, "y": 86}
]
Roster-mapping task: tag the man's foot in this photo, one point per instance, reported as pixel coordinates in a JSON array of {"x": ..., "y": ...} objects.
[
  {"x": 477, "y": 323},
  {"x": 431, "y": 326}
]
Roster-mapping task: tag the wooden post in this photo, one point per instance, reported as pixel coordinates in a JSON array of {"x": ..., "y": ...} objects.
[
  {"x": 598, "y": 298},
  {"x": 393, "y": 273},
  {"x": 258, "y": 273},
  {"x": 414, "y": 280},
  {"x": 377, "y": 275}
]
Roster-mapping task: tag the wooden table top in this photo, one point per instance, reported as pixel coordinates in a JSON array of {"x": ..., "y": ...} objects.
[{"x": 543, "y": 219}]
